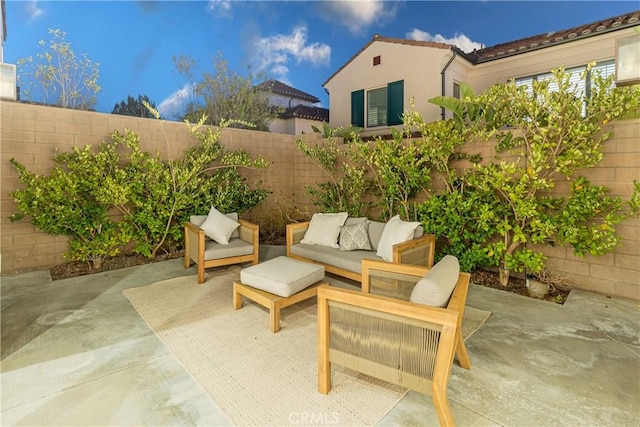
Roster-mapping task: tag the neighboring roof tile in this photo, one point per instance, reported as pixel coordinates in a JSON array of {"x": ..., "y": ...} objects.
[
  {"x": 280, "y": 88},
  {"x": 379, "y": 38},
  {"x": 306, "y": 112},
  {"x": 554, "y": 38},
  {"x": 517, "y": 47}
]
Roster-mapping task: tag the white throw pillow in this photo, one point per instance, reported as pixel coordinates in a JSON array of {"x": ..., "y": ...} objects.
[
  {"x": 436, "y": 287},
  {"x": 218, "y": 226},
  {"x": 199, "y": 219},
  {"x": 395, "y": 231},
  {"x": 324, "y": 229}
]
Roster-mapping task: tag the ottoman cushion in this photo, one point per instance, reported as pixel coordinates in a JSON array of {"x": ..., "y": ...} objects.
[{"x": 282, "y": 276}]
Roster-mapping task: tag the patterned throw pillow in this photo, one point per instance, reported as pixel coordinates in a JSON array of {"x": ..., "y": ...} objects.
[{"x": 355, "y": 237}]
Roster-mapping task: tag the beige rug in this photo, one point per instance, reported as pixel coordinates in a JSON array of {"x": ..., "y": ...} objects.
[{"x": 254, "y": 376}]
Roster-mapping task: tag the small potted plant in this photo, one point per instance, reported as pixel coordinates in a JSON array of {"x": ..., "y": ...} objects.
[{"x": 539, "y": 284}]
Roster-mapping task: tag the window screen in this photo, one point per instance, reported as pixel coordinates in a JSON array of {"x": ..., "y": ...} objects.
[{"x": 377, "y": 107}]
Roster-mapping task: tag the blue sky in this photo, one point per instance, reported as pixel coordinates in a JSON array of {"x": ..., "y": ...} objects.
[{"x": 298, "y": 42}]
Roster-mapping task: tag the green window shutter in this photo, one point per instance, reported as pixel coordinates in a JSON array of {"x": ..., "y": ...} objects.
[
  {"x": 357, "y": 108},
  {"x": 395, "y": 99}
]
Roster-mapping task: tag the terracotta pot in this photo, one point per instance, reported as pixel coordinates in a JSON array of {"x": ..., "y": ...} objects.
[{"x": 537, "y": 289}]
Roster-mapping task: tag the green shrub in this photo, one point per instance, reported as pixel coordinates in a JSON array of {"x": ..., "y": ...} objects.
[
  {"x": 154, "y": 196},
  {"x": 71, "y": 201},
  {"x": 349, "y": 189},
  {"x": 161, "y": 194},
  {"x": 464, "y": 223}
]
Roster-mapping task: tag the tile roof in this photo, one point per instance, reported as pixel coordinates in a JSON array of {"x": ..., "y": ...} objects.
[
  {"x": 517, "y": 47},
  {"x": 306, "y": 112},
  {"x": 280, "y": 88},
  {"x": 553, "y": 38}
]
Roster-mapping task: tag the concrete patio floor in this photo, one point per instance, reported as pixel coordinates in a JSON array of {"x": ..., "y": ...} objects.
[{"x": 75, "y": 352}]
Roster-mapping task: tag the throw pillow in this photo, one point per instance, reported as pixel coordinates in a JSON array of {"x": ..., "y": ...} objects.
[
  {"x": 354, "y": 237},
  {"x": 395, "y": 231},
  {"x": 436, "y": 287},
  {"x": 324, "y": 229},
  {"x": 199, "y": 219},
  {"x": 218, "y": 226}
]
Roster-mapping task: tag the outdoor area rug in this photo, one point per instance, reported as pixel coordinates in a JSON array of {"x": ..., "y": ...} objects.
[{"x": 257, "y": 377}]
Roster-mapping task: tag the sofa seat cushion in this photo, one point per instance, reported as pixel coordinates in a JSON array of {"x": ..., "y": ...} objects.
[
  {"x": 351, "y": 261},
  {"x": 282, "y": 276},
  {"x": 236, "y": 247}
]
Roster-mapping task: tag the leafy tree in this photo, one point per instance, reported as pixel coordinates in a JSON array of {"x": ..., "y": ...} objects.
[
  {"x": 135, "y": 107},
  {"x": 401, "y": 173},
  {"x": 154, "y": 196},
  {"x": 157, "y": 196},
  {"x": 71, "y": 202},
  {"x": 224, "y": 95},
  {"x": 349, "y": 188},
  {"x": 347, "y": 133},
  {"x": 549, "y": 135},
  {"x": 57, "y": 75}
]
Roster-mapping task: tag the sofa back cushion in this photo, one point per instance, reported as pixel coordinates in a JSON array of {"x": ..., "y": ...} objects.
[
  {"x": 324, "y": 229},
  {"x": 375, "y": 233}
]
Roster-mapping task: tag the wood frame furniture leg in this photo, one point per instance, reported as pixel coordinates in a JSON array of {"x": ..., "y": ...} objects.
[{"x": 274, "y": 303}]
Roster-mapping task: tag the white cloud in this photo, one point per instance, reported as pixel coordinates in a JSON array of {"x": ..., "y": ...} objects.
[
  {"x": 357, "y": 15},
  {"x": 173, "y": 106},
  {"x": 274, "y": 52},
  {"x": 33, "y": 10},
  {"x": 281, "y": 73},
  {"x": 460, "y": 40},
  {"x": 221, "y": 8}
]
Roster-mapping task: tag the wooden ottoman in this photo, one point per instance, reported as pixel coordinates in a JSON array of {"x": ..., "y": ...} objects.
[{"x": 278, "y": 283}]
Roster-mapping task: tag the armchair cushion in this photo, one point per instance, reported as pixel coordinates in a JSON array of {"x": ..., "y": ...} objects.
[
  {"x": 436, "y": 287},
  {"x": 395, "y": 231},
  {"x": 355, "y": 237},
  {"x": 324, "y": 229},
  {"x": 219, "y": 227},
  {"x": 235, "y": 248}
]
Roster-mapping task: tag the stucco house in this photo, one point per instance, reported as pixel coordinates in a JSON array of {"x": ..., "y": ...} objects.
[
  {"x": 301, "y": 110},
  {"x": 7, "y": 71},
  {"x": 375, "y": 86}
]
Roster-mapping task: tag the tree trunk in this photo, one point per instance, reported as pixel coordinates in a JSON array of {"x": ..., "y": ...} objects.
[{"x": 504, "y": 276}]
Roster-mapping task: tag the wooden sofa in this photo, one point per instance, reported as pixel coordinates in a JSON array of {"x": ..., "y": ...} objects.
[{"x": 418, "y": 251}]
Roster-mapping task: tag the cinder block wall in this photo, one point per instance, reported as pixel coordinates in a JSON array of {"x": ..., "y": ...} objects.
[{"x": 31, "y": 134}]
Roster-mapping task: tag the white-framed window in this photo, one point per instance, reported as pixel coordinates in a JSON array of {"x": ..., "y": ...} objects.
[
  {"x": 456, "y": 90},
  {"x": 580, "y": 82},
  {"x": 381, "y": 106}
]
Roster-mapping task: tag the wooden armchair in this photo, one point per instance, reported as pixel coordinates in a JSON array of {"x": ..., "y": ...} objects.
[
  {"x": 409, "y": 344},
  {"x": 207, "y": 253}
]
